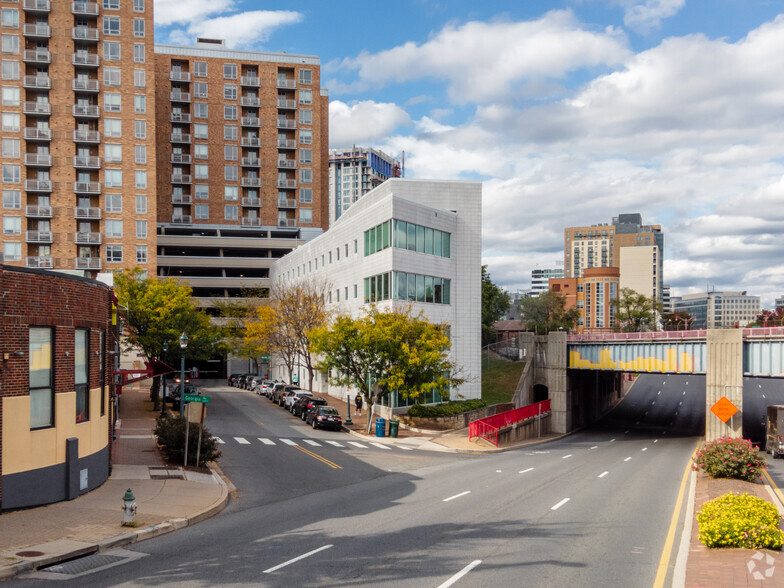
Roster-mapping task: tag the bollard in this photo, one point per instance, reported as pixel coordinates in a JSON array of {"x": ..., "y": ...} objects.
[{"x": 129, "y": 508}]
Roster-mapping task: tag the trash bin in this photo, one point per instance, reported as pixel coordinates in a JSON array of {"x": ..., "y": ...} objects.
[
  {"x": 393, "y": 427},
  {"x": 380, "y": 426}
]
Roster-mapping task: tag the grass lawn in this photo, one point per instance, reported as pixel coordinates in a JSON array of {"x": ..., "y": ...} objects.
[{"x": 500, "y": 379}]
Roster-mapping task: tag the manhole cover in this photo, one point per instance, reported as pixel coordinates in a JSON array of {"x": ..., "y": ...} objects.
[
  {"x": 83, "y": 564},
  {"x": 30, "y": 553}
]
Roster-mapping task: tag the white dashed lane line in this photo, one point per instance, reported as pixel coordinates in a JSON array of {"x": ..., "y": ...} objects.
[
  {"x": 566, "y": 456},
  {"x": 560, "y": 504},
  {"x": 627, "y": 459},
  {"x": 525, "y": 471},
  {"x": 602, "y": 475},
  {"x": 457, "y": 496}
]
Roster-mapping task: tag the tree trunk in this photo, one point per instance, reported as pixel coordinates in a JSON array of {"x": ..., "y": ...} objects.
[{"x": 155, "y": 393}]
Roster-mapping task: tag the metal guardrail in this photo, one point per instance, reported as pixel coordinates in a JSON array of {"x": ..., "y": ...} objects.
[{"x": 487, "y": 428}]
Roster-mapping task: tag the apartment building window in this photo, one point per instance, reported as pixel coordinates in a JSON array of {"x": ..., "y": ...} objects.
[
  {"x": 200, "y": 70},
  {"x": 139, "y": 78},
  {"x": 141, "y": 254},
  {"x": 306, "y": 97},
  {"x": 230, "y": 152},
  {"x": 201, "y": 151},
  {"x": 114, "y": 229},
  {"x": 111, "y": 51},
  {"x": 306, "y": 137},
  {"x": 141, "y": 178},
  {"x": 10, "y": 70},
  {"x": 230, "y": 192},
  {"x": 199, "y": 89},
  {"x": 229, "y": 132},
  {"x": 138, "y": 27},
  {"x": 12, "y": 251},
  {"x": 12, "y": 173},
  {"x": 12, "y": 225},
  {"x": 201, "y": 192},
  {"x": 229, "y": 71},
  {"x": 138, "y": 5},
  {"x": 201, "y": 211},
  {"x": 81, "y": 377},
  {"x": 112, "y": 102},
  {"x": 9, "y": 17},
  {"x": 199, "y": 110},
  {"x": 200, "y": 131},
  {"x": 112, "y": 152},
  {"x": 141, "y": 204},
  {"x": 138, "y": 53},
  {"x": 114, "y": 253},
  {"x": 229, "y": 92},
  {"x": 306, "y": 216},
  {"x": 141, "y": 229},
  {"x": 229, "y": 112},
  {"x": 111, "y": 4},
  {"x": 112, "y": 127},
  {"x": 11, "y": 121},
  {"x": 114, "y": 203},
  {"x": 10, "y": 96},
  {"x": 41, "y": 370},
  {"x": 140, "y": 153},
  {"x": 201, "y": 171},
  {"x": 306, "y": 195},
  {"x": 230, "y": 172},
  {"x": 305, "y": 76},
  {"x": 11, "y": 147},
  {"x": 230, "y": 212},
  {"x": 9, "y": 44},
  {"x": 306, "y": 117},
  {"x": 306, "y": 176},
  {"x": 111, "y": 25},
  {"x": 111, "y": 76},
  {"x": 306, "y": 155},
  {"x": 140, "y": 129},
  {"x": 12, "y": 199}
]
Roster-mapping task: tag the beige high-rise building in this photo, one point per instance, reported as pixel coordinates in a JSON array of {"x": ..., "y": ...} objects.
[{"x": 639, "y": 267}]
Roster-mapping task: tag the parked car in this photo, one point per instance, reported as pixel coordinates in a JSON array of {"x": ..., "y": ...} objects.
[
  {"x": 287, "y": 391},
  {"x": 243, "y": 381},
  {"x": 277, "y": 386},
  {"x": 232, "y": 381},
  {"x": 266, "y": 387},
  {"x": 304, "y": 404},
  {"x": 291, "y": 398},
  {"x": 280, "y": 390},
  {"x": 326, "y": 417},
  {"x": 253, "y": 383}
]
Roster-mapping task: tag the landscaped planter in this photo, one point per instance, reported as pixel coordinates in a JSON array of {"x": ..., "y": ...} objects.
[{"x": 457, "y": 421}]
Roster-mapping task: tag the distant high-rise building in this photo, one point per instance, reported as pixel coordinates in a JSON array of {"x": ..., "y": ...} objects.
[
  {"x": 540, "y": 279},
  {"x": 666, "y": 299},
  {"x": 716, "y": 310},
  {"x": 593, "y": 295},
  {"x": 779, "y": 302},
  {"x": 353, "y": 173}
]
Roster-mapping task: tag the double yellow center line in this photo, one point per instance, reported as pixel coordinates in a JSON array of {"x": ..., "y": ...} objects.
[{"x": 331, "y": 464}]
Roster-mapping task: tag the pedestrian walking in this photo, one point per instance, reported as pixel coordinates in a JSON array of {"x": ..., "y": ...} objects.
[{"x": 358, "y": 402}]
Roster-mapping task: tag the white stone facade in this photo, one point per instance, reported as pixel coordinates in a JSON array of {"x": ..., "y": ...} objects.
[{"x": 454, "y": 207}]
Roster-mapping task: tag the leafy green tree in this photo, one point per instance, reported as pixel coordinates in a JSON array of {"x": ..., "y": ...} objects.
[
  {"x": 383, "y": 352},
  {"x": 547, "y": 312},
  {"x": 636, "y": 312},
  {"x": 155, "y": 311},
  {"x": 495, "y": 302}
]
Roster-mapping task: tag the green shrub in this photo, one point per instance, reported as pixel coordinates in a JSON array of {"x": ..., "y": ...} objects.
[
  {"x": 740, "y": 520},
  {"x": 170, "y": 431},
  {"x": 450, "y": 408},
  {"x": 731, "y": 458}
]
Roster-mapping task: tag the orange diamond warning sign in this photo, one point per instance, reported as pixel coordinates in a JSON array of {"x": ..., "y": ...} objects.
[{"x": 724, "y": 409}]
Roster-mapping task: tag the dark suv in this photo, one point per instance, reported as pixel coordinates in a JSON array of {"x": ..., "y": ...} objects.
[{"x": 326, "y": 417}]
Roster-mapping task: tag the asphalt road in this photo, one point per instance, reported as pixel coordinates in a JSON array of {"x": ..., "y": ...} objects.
[{"x": 591, "y": 509}]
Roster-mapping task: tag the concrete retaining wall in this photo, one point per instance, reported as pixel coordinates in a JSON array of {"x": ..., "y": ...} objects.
[
  {"x": 458, "y": 421},
  {"x": 528, "y": 429}
]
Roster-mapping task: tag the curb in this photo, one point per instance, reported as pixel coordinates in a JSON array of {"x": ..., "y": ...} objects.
[{"x": 132, "y": 536}]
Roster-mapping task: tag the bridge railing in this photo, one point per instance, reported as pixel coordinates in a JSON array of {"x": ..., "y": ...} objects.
[
  {"x": 643, "y": 336},
  {"x": 487, "y": 428}
]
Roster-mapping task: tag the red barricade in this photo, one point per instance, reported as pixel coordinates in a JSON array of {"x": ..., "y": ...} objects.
[{"x": 487, "y": 428}]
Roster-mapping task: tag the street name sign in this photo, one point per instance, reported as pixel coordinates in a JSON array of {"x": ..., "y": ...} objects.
[{"x": 197, "y": 398}]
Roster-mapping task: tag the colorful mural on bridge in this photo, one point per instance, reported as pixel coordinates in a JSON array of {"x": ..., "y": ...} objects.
[{"x": 669, "y": 359}]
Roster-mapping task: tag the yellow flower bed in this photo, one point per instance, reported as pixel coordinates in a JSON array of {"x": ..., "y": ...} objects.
[{"x": 740, "y": 520}]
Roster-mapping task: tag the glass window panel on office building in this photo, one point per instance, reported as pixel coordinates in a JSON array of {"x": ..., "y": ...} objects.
[
  {"x": 81, "y": 379},
  {"x": 41, "y": 377}
]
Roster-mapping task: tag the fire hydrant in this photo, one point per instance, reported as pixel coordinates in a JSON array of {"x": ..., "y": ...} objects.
[{"x": 129, "y": 508}]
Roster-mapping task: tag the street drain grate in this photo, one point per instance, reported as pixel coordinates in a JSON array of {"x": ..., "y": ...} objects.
[
  {"x": 163, "y": 473},
  {"x": 83, "y": 564}
]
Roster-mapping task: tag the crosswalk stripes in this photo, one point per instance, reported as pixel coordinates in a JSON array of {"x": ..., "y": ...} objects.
[
  {"x": 311, "y": 442},
  {"x": 335, "y": 443},
  {"x": 404, "y": 448},
  {"x": 288, "y": 442},
  {"x": 266, "y": 441},
  {"x": 380, "y": 445},
  {"x": 242, "y": 440},
  {"x": 219, "y": 440},
  {"x": 355, "y": 444}
]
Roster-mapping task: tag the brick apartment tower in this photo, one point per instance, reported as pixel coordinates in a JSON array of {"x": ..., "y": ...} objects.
[{"x": 78, "y": 132}]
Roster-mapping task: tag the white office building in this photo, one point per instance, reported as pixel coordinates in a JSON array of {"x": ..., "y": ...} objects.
[{"x": 407, "y": 242}]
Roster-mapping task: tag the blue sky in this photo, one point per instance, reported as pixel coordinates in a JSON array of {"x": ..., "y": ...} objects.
[{"x": 570, "y": 112}]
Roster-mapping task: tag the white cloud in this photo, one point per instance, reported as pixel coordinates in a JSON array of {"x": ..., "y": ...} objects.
[
  {"x": 363, "y": 123},
  {"x": 243, "y": 29},
  {"x": 486, "y": 61},
  {"x": 644, "y": 16},
  {"x": 168, "y": 12}
]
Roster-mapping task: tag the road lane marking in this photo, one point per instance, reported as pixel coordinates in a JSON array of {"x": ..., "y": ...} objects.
[
  {"x": 644, "y": 449},
  {"x": 627, "y": 459},
  {"x": 355, "y": 444},
  {"x": 242, "y": 440},
  {"x": 567, "y": 456},
  {"x": 312, "y": 442},
  {"x": 335, "y": 443},
  {"x": 291, "y": 561},
  {"x": 380, "y": 445},
  {"x": 461, "y": 573},
  {"x": 594, "y": 447},
  {"x": 602, "y": 475},
  {"x": 289, "y": 442},
  {"x": 457, "y": 496},
  {"x": 266, "y": 441},
  {"x": 404, "y": 448},
  {"x": 331, "y": 464},
  {"x": 655, "y": 440},
  {"x": 220, "y": 441},
  {"x": 524, "y": 471},
  {"x": 560, "y": 504}
]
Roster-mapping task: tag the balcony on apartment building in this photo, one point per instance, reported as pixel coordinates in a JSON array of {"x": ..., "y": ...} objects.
[
  {"x": 250, "y": 162},
  {"x": 38, "y": 237},
  {"x": 86, "y": 110},
  {"x": 35, "y": 211},
  {"x": 87, "y": 238},
  {"x": 36, "y": 134},
  {"x": 87, "y": 187},
  {"x": 287, "y": 203},
  {"x": 36, "y": 6},
  {"x": 84, "y": 8},
  {"x": 250, "y": 142},
  {"x": 87, "y": 162},
  {"x": 251, "y": 81},
  {"x": 251, "y": 221},
  {"x": 86, "y": 59},
  {"x": 180, "y": 138},
  {"x": 181, "y": 158},
  {"x": 38, "y": 159},
  {"x": 287, "y": 123},
  {"x": 181, "y": 179},
  {"x": 287, "y": 84},
  {"x": 37, "y": 82},
  {"x": 287, "y": 184},
  {"x": 36, "y": 30},
  {"x": 250, "y": 101},
  {"x": 181, "y": 199},
  {"x": 179, "y": 76},
  {"x": 287, "y": 103},
  {"x": 38, "y": 185},
  {"x": 250, "y": 182},
  {"x": 250, "y": 121},
  {"x": 86, "y": 136},
  {"x": 85, "y": 34},
  {"x": 87, "y": 213},
  {"x": 37, "y": 108},
  {"x": 287, "y": 144},
  {"x": 41, "y": 261},
  {"x": 180, "y": 117},
  {"x": 181, "y": 219},
  {"x": 251, "y": 202},
  {"x": 85, "y": 85},
  {"x": 36, "y": 56},
  {"x": 287, "y": 164},
  {"x": 287, "y": 222},
  {"x": 88, "y": 263},
  {"x": 177, "y": 96}
]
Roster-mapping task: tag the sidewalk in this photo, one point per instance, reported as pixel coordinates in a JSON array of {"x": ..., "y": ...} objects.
[{"x": 167, "y": 500}]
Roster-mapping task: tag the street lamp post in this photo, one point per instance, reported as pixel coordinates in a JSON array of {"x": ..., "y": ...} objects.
[
  {"x": 163, "y": 381},
  {"x": 183, "y": 346}
]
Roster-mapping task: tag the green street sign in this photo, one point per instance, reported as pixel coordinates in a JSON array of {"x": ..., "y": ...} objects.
[
  {"x": 265, "y": 357},
  {"x": 197, "y": 398}
]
